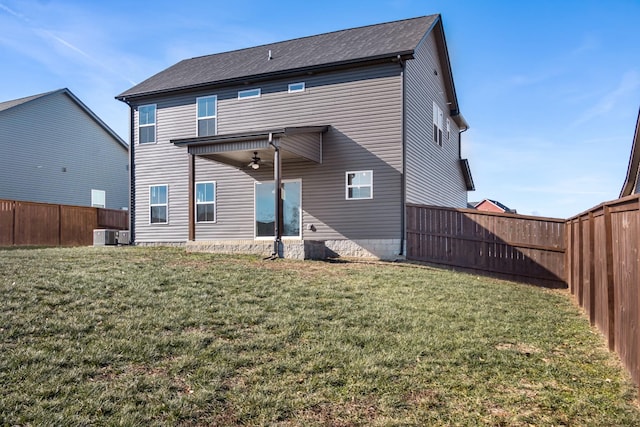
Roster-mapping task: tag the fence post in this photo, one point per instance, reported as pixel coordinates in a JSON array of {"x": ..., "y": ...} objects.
[
  {"x": 592, "y": 270},
  {"x": 13, "y": 238},
  {"x": 572, "y": 255},
  {"x": 608, "y": 232},
  {"x": 580, "y": 262}
]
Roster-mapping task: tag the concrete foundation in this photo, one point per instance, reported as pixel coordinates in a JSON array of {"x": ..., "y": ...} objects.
[{"x": 384, "y": 249}]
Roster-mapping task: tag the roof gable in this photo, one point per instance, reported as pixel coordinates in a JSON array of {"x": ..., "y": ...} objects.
[
  {"x": 349, "y": 46},
  {"x": 15, "y": 102},
  {"x": 4, "y": 106}
]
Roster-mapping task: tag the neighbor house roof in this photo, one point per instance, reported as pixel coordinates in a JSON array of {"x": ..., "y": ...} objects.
[
  {"x": 15, "y": 102},
  {"x": 496, "y": 203},
  {"x": 340, "y": 48},
  {"x": 4, "y": 106},
  {"x": 631, "y": 180}
]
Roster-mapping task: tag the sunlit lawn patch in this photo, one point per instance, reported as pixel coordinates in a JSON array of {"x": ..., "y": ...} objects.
[{"x": 156, "y": 336}]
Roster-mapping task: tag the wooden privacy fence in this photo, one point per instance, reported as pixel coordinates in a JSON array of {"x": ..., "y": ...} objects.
[
  {"x": 42, "y": 224},
  {"x": 603, "y": 273},
  {"x": 515, "y": 247}
]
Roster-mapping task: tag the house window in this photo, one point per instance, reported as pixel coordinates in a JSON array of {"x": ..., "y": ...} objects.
[
  {"x": 158, "y": 204},
  {"x": 206, "y": 202},
  {"x": 98, "y": 198},
  {"x": 147, "y": 124},
  {"x": 265, "y": 209},
  {"x": 296, "y": 87},
  {"x": 437, "y": 124},
  {"x": 448, "y": 129},
  {"x": 359, "y": 185},
  {"x": 249, "y": 93},
  {"x": 207, "y": 115}
]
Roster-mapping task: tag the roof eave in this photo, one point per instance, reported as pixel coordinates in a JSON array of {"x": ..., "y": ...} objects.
[
  {"x": 93, "y": 115},
  {"x": 634, "y": 163},
  {"x": 402, "y": 55},
  {"x": 450, "y": 87}
]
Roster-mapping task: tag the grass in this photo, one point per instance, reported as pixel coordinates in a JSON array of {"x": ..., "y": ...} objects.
[{"x": 156, "y": 336}]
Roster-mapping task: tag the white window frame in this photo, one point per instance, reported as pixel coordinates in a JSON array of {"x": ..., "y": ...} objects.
[
  {"x": 438, "y": 117},
  {"x": 155, "y": 121},
  {"x": 255, "y": 231},
  {"x": 448, "y": 129},
  {"x": 347, "y": 186},
  {"x": 291, "y": 85},
  {"x": 250, "y": 93},
  {"x": 166, "y": 204},
  {"x": 215, "y": 116},
  {"x": 214, "y": 202},
  {"x": 98, "y": 196}
]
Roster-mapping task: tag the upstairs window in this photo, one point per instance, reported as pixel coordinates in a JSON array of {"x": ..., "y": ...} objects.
[
  {"x": 206, "y": 202},
  {"x": 147, "y": 124},
  {"x": 296, "y": 87},
  {"x": 359, "y": 185},
  {"x": 207, "y": 115},
  {"x": 437, "y": 124},
  {"x": 249, "y": 93},
  {"x": 448, "y": 129},
  {"x": 158, "y": 204}
]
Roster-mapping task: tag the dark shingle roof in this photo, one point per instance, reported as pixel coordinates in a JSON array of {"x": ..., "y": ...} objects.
[
  {"x": 15, "y": 102},
  {"x": 341, "y": 47}
]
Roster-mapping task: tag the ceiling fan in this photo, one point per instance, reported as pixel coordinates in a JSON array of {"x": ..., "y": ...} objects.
[{"x": 255, "y": 161}]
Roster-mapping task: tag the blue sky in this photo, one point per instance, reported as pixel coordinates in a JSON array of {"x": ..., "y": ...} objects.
[{"x": 551, "y": 89}]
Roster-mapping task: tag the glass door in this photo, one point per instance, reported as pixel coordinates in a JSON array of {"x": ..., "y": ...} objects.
[{"x": 265, "y": 210}]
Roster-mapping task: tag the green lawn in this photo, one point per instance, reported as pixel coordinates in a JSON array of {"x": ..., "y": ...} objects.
[{"x": 156, "y": 336}]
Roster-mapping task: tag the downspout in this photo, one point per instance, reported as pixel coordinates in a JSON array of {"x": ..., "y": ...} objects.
[
  {"x": 460, "y": 131},
  {"x": 132, "y": 175},
  {"x": 277, "y": 178},
  {"x": 403, "y": 178}
]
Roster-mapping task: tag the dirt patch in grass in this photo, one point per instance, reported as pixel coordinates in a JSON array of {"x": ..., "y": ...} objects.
[{"x": 526, "y": 349}]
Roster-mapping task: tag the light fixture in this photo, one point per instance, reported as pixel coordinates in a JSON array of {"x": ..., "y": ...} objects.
[{"x": 255, "y": 161}]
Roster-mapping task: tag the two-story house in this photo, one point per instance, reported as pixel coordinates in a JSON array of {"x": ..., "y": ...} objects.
[
  {"x": 54, "y": 149},
  {"x": 316, "y": 143}
]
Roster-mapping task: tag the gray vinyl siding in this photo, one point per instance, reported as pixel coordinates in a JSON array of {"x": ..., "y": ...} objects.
[
  {"x": 43, "y": 137},
  {"x": 433, "y": 173},
  {"x": 361, "y": 106}
]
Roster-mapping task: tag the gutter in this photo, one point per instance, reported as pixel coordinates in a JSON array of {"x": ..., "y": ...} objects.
[{"x": 404, "y": 55}]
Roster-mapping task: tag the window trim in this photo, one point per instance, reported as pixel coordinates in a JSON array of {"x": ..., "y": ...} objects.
[
  {"x": 155, "y": 121},
  {"x": 347, "y": 186},
  {"x": 198, "y": 118},
  {"x": 245, "y": 94},
  {"x": 103, "y": 197},
  {"x": 214, "y": 202},
  {"x": 302, "y": 89},
  {"x": 300, "y": 211},
  {"x": 166, "y": 204}
]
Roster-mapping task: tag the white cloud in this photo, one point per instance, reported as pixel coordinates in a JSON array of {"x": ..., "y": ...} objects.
[{"x": 628, "y": 84}]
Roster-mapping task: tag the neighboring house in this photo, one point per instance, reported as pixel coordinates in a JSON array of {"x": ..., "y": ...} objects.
[
  {"x": 354, "y": 124},
  {"x": 489, "y": 205},
  {"x": 54, "y": 149},
  {"x": 631, "y": 182}
]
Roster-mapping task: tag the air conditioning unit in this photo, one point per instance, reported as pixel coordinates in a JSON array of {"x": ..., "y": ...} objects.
[
  {"x": 123, "y": 237},
  {"x": 105, "y": 237}
]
